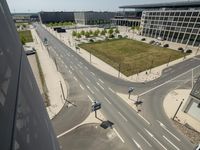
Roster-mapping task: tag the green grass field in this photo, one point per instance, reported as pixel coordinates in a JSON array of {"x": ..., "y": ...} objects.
[
  {"x": 133, "y": 56},
  {"x": 26, "y": 35}
]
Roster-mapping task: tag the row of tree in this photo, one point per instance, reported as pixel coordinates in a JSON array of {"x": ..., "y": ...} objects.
[
  {"x": 53, "y": 24},
  {"x": 95, "y": 33}
]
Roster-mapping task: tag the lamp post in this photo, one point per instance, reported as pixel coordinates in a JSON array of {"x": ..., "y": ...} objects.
[{"x": 177, "y": 109}]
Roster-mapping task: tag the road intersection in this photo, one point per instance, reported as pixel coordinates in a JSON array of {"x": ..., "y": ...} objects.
[{"x": 150, "y": 129}]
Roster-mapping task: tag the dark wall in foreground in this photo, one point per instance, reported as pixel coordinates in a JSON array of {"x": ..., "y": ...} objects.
[{"x": 24, "y": 123}]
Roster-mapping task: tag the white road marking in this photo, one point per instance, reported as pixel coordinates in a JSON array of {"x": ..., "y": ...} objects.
[
  {"x": 70, "y": 72},
  {"x": 90, "y": 99},
  {"x": 136, "y": 143},
  {"x": 111, "y": 90},
  {"x": 144, "y": 119},
  {"x": 81, "y": 87},
  {"x": 101, "y": 81},
  {"x": 123, "y": 116},
  {"x": 75, "y": 78},
  {"x": 92, "y": 73},
  {"x": 107, "y": 100},
  {"x": 144, "y": 139},
  {"x": 100, "y": 86},
  {"x": 171, "y": 142},
  {"x": 118, "y": 135},
  {"x": 96, "y": 88},
  {"x": 155, "y": 139},
  {"x": 168, "y": 81},
  {"x": 66, "y": 67},
  {"x": 88, "y": 79},
  {"x": 81, "y": 63},
  {"x": 71, "y": 67},
  {"x": 90, "y": 89},
  {"x": 165, "y": 128},
  {"x": 62, "y": 62}
]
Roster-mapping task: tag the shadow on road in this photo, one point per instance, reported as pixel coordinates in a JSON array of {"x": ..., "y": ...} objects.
[{"x": 106, "y": 124}]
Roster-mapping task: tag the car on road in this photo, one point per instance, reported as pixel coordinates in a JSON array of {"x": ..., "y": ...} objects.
[{"x": 29, "y": 50}]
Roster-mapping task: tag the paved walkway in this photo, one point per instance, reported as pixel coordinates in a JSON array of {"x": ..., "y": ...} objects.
[
  {"x": 171, "y": 103},
  {"x": 52, "y": 78},
  {"x": 144, "y": 76}
]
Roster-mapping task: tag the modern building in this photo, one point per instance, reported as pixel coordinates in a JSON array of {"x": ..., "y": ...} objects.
[
  {"x": 24, "y": 122},
  {"x": 25, "y": 17},
  {"x": 93, "y": 18},
  {"x": 127, "y": 18},
  {"x": 175, "y": 22},
  {"x": 193, "y": 103},
  {"x": 48, "y": 17}
]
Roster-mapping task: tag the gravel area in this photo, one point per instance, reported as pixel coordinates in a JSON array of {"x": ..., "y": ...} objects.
[{"x": 189, "y": 132}]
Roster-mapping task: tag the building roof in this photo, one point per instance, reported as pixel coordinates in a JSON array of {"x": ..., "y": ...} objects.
[{"x": 164, "y": 5}]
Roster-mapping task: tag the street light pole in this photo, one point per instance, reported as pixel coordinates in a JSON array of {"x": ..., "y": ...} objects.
[
  {"x": 119, "y": 70},
  {"x": 177, "y": 109}
]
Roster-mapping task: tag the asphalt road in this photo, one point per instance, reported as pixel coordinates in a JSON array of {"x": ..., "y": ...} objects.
[{"x": 151, "y": 130}]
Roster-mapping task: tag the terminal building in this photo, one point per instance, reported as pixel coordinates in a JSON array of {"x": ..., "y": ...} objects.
[{"x": 175, "y": 22}]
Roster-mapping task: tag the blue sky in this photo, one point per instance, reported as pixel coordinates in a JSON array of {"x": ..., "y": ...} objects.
[{"x": 73, "y": 5}]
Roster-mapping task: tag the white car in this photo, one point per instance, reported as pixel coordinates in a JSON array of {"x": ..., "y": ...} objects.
[{"x": 197, "y": 147}]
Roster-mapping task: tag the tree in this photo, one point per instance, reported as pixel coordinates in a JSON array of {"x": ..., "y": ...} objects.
[
  {"x": 82, "y": 32},
  {"x": 95, "y": 33},
  {"x": 110, "y": 31},
  {"x": 98, "y": 31},
  {"x": 103, "y": 32},
  {"x": 78, "y": 35},
  {"x": 91, "y": 32},
  {"x": 23, "y": 39},
  {"x": 116, "y": 30},
  {"x": 87, "y": 34},
  {"x": 74, "y": 33}
]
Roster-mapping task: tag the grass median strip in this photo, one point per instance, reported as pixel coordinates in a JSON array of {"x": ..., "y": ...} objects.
[
  {"x": 44, "y": 87},
  {"x": 131, "y": 56}
]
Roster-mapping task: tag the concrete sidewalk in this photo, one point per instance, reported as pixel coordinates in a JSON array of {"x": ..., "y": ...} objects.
[
  {"x": 144, "y": 76},
  {"x": 171, "y": 103},
  {"x": 52, "y": 77}
]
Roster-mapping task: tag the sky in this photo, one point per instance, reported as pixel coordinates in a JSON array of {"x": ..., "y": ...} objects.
[{"x": 17, "y": 6}]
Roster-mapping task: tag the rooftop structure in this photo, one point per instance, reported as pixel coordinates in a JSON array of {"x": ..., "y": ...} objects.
[{"x": 183, "y": 4}]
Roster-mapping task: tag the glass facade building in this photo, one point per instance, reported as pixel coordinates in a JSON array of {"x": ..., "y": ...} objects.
[{"x": 180, "y": 26}]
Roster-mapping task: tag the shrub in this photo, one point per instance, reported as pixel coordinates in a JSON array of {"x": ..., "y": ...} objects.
[
  {"x": 143, "y": 39},
  {"x": 189, "y": 51},
  {"x": 111, "y": 36},
  {"x": 119, "y": 36},
  {"x": 91, "y": 40},
  {"x": 152, "y": 42},
  {"x": 180, "y": 49},
  {"x": 166, "y": 45}
]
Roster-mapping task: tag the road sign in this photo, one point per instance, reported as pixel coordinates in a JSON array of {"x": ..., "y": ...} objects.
[{"x": 96, "y": 106}]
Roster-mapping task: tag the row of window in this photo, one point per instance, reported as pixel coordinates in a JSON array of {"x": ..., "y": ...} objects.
[
  {"x": 173, "y": 24},
  {"x": 168, "y": 13},
  {"x": 184, "y": 19},
  {"x": 174, "y": 36},
  {"x": 188, "y": 30}
]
